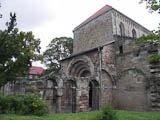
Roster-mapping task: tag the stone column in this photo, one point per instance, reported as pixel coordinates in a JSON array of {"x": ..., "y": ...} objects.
[
  {"x": 59, "y": 100},
  {"x": 78, "y": 94}
]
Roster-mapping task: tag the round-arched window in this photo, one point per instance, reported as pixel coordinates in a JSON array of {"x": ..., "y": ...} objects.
[
  {"x": 134, "y": 34},
  {"x": 122, "y": 29}
]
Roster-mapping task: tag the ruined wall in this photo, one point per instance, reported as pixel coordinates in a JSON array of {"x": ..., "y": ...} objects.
[
  {"x": 155, "y": 81},
  {"x": 132, "y": 69},
  {"x": 133, "y": 76},
  {"x": 93, "y": 34},
  {"x": 43, "y": 87}
]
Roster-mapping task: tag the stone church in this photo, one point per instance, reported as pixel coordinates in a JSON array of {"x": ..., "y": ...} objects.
[{"x": 106, "y": 67}]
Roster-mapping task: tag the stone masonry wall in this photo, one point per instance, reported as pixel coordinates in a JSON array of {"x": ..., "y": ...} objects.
[
  {"x": 133, "y": 77},
  {"x": 108, "y": 74},
  {"x": 129, "y": 25},
  {"x": 93, "y": 34},
  {"x": 42, "y": 87}
]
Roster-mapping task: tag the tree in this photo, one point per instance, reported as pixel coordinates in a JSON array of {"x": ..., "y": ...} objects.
[
  {"x": 154, "y": 37},
  {"x": 58, "y": 49},
  {"x": 17, "y": 51},
  {"x": 153, "y": 5}
]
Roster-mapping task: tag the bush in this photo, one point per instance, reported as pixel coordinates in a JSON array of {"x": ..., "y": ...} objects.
[
  {"x": 10, "y": 104},
  {"x": 23, "y": 104},
  {"x": 34, "y": 105},
  {"x": 108, "y": 113},
  {"x": 2, "y": 100}
]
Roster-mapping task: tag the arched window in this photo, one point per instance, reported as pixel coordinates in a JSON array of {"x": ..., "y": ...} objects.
[
  {"x": 134, "y": 34},
  {"x": 122, "y": 29}
]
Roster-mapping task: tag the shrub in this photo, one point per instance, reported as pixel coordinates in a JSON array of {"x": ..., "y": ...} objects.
[
  {"x": 23, "y": 104},
  {"x": 10, "y": 104},
  {"x": 1, "y": 103},
  {"x": 108, "y": 113},
  {"x": 34, "y": 105}
]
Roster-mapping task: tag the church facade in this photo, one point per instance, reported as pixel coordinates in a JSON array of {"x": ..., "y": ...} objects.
[{"x": 107, "y": 67}]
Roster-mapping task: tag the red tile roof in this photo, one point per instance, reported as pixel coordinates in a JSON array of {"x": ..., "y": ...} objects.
[
  {"x": 99, "y": 12},
  {"x": 36, "y": 70}
]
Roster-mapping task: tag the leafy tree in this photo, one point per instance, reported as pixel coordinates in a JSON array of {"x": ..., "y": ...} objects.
[
  {"x": 17, "y": 51},
  {"x": 153, "y": 5},
  {"x": 154, "y": 37},
  {"x": 58, "y": 49}
]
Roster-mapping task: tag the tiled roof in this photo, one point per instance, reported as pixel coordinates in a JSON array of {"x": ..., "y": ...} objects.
[
  {"x": 36, "y": 70},
  {"x": 99, "y": 12}
]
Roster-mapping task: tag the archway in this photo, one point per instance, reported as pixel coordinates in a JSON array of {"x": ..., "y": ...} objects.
[
  {"x": 69, "y": 97},
  {"x": 93, "y": 101},
  {"x": 81, "y": 67}
]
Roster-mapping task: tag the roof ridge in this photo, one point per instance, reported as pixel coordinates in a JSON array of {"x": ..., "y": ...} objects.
[{"x": 96, "y": 14}]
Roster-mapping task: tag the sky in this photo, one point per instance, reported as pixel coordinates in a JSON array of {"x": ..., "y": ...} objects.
[{"x": 48, "y": 19}]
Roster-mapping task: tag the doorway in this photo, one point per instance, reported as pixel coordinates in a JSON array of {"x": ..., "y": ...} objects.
[{"x": 93, "y": 102}]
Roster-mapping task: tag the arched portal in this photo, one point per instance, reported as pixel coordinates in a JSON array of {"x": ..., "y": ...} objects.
[
  {"x": 69, "y": 97},
  {"x": 81, "y": 67},
  {"x": 93, "y": 102}
]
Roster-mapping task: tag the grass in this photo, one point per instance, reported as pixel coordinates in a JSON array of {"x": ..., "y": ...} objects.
[{"x": 122, "y": 115}]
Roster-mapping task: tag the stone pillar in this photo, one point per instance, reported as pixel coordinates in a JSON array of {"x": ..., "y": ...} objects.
[
  {"x": 78, "y": 94},
  {"x": 59, "y": 100}
]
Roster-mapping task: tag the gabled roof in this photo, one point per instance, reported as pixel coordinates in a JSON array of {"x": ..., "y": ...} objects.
[
  {"x": 95, "y": 15},
  {"x": 36, "y": 70},
  {"x": 103, "y": 10}
]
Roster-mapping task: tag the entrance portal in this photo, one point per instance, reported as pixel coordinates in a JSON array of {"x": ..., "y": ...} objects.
[{"x": 93, "y": 102}]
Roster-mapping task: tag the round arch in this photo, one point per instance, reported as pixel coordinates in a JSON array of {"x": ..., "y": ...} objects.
[
  {"x": 81, "y": 67},
  {"x": 122, "y": 29},
  {"x": 134, "y": 34},
  {"x": 110, "y": 76}
]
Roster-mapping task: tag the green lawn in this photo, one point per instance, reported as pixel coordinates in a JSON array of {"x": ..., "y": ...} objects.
[{"x": 122, "y": 115}]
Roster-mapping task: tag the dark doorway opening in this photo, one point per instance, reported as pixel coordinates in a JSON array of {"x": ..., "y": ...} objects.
[
  {"x": 90, "y": 95},
  {"x": 93, "y": 102}
]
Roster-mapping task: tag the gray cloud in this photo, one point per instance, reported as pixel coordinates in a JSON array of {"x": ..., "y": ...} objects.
[{"x": 30, "y": 13}]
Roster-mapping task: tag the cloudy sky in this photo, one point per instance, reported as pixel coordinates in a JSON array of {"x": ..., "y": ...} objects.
[{"x": 55, "y": 18}]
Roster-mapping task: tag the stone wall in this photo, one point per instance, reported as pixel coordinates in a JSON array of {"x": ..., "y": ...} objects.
[
  {"x": 129, "y": 25},
  {"x": 133, "y": 76},
  {"x": 155, "y": 82},
  {"x": 41, "y": 86},
  {"x": 93, "y": 34}
]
